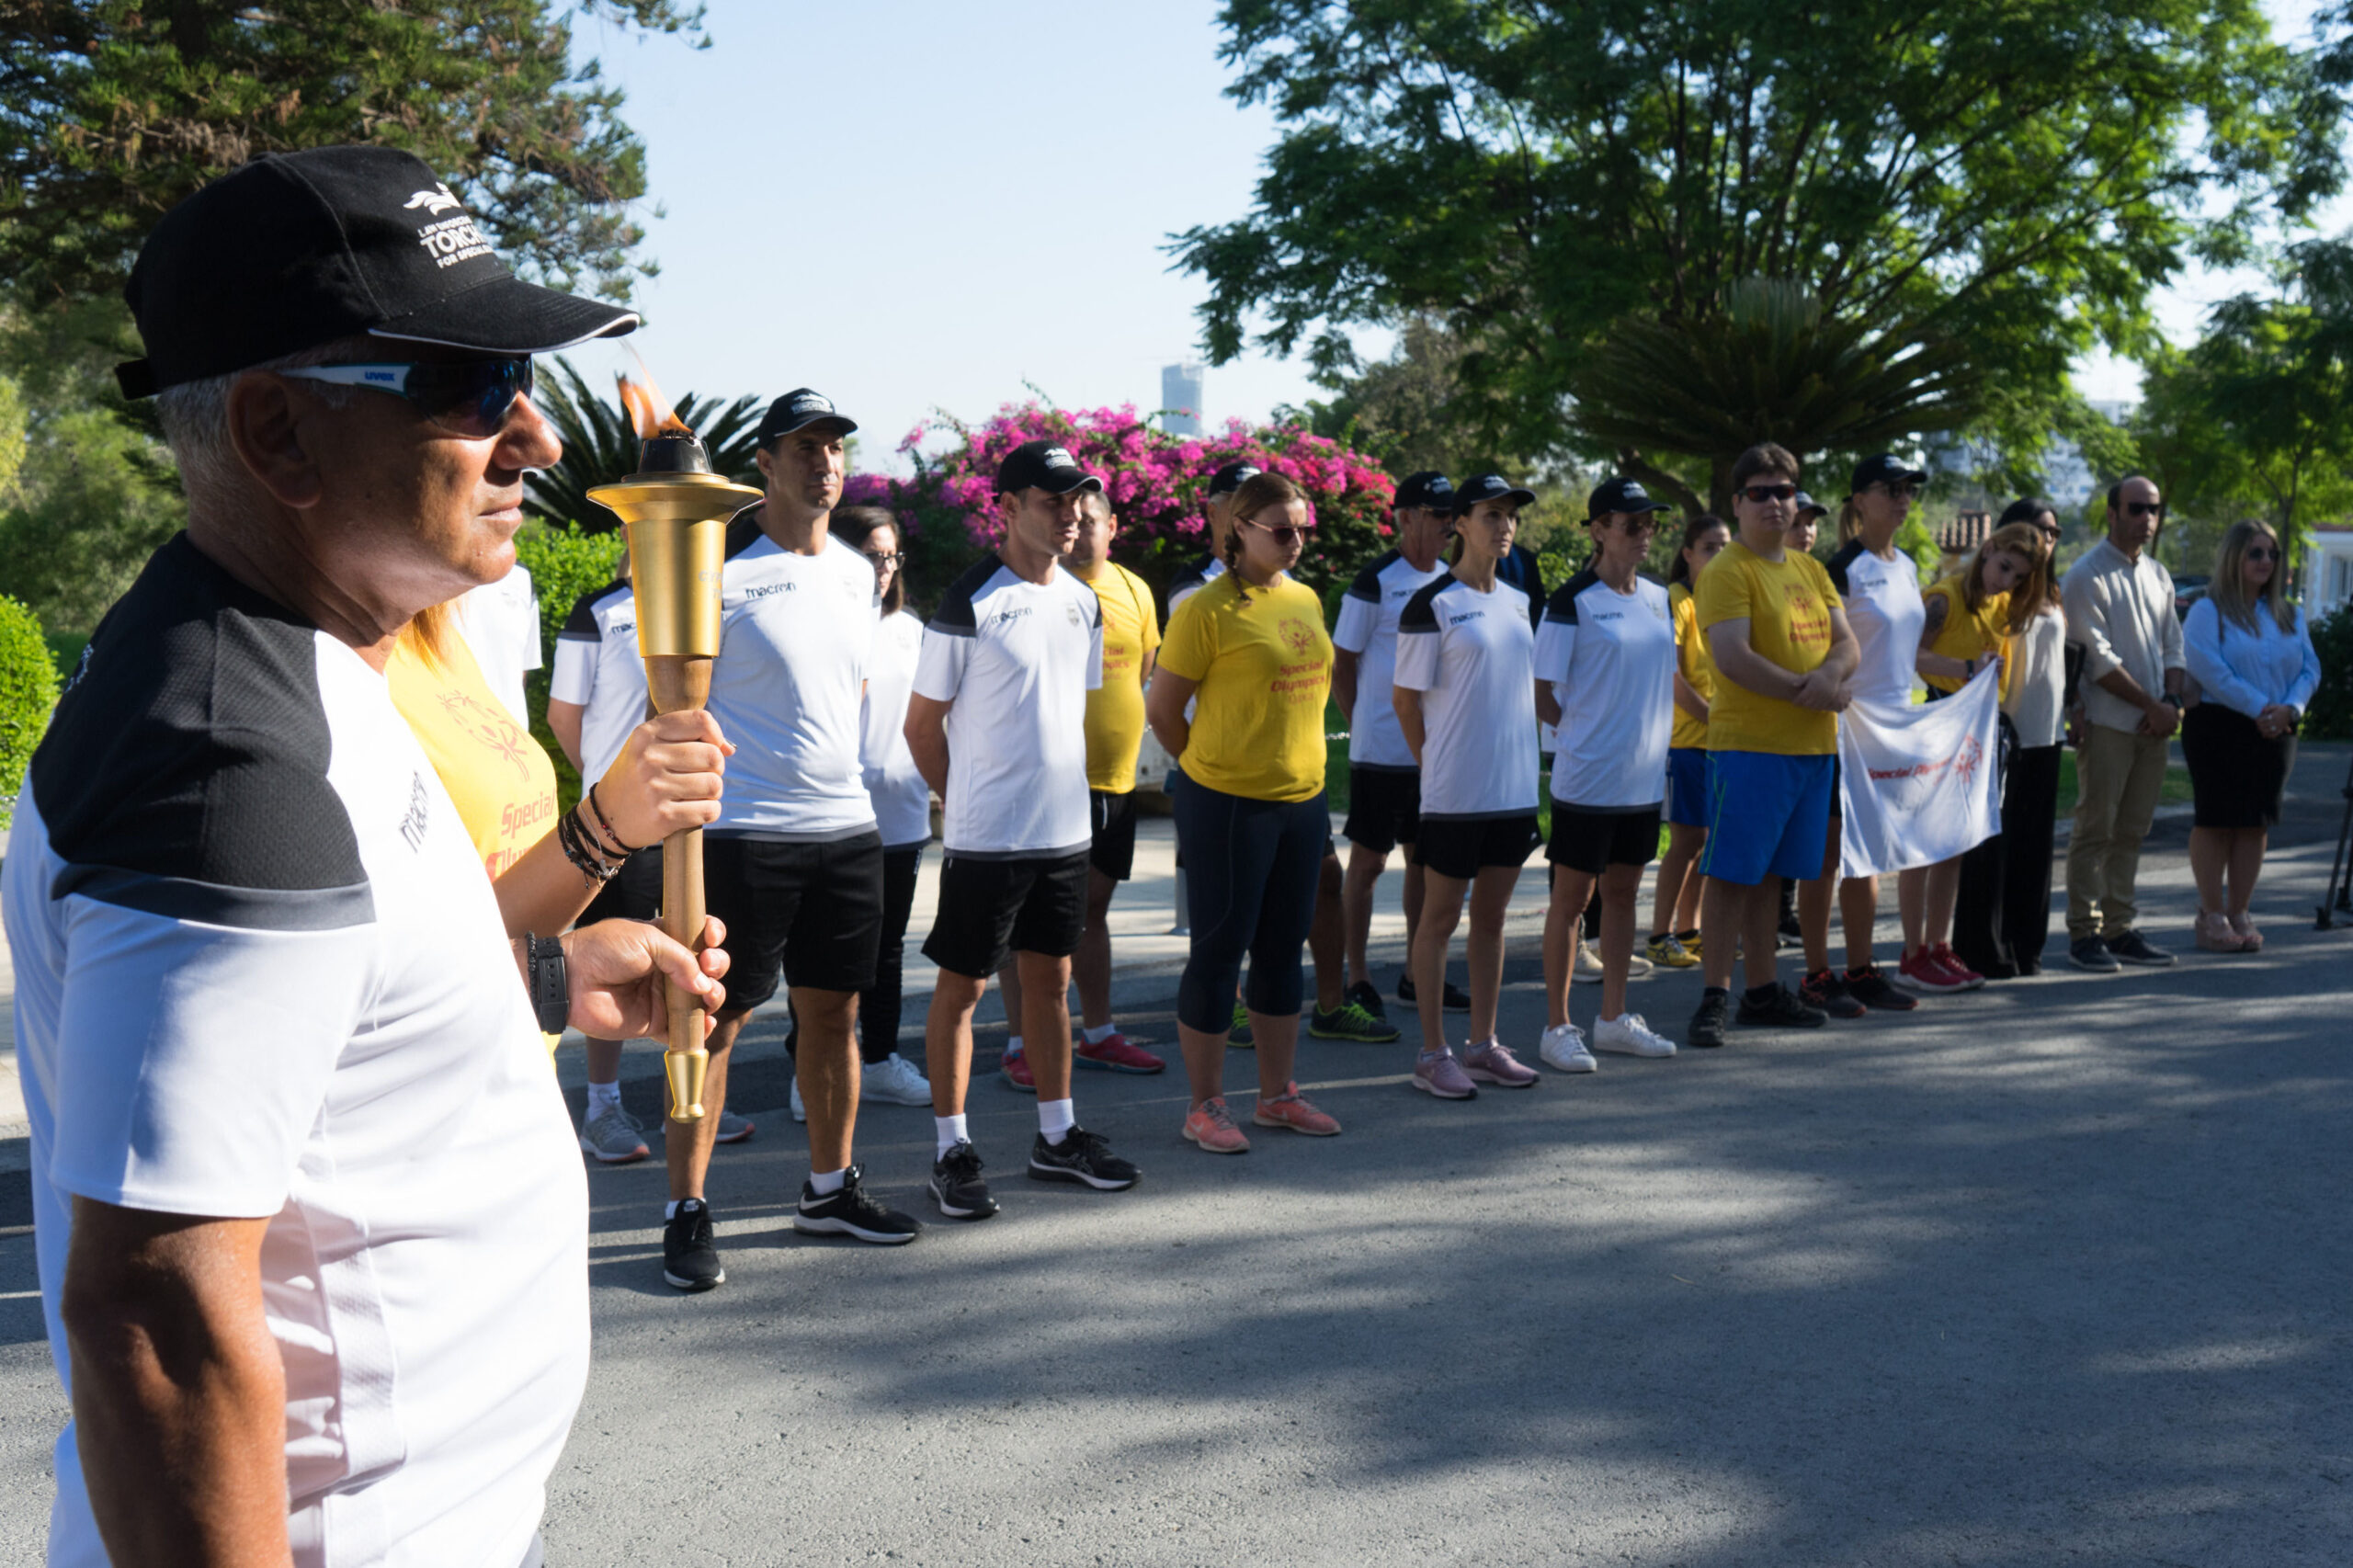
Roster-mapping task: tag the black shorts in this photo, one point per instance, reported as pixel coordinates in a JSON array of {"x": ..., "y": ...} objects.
[
  {"x": 812, "y": 912},
  {"x": 991, "y": 909},
  {"x": 1461, "y": 847},
  {"x": 1591, "y": 840},
  {"x": 1112, "y": 849},
  {"x": 635, "y": 893},
  {"x": 1384, "y": 807}
]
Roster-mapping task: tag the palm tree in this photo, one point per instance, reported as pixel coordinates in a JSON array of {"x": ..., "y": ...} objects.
[
  {"x": 1769, "y": 366},
  {"x": 600, "y": 447}
]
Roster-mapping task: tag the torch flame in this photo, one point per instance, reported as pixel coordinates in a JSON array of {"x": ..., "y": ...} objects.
[{"x": 648, "y": 413}]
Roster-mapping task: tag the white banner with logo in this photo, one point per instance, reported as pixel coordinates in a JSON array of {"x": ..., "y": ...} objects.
[{"x": 1922, "y": 784}]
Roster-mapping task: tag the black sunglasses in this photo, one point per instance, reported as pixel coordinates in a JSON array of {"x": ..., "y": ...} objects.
[
  {"x": 1282, "y": 533},
  {"x": 1760, "y": 494},
  {"x": 885, "y": 558},
  {"x": 2145, "y": 508},
  {"x": 2261, "y": 554},
  {"x": 466, "y": 397}
]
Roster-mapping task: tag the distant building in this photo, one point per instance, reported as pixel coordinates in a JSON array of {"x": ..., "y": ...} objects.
[
  {"x": 2328, "y": 568},
  {"x": 1180, "y": 390},
  {"x": 1956, "y": 539}
]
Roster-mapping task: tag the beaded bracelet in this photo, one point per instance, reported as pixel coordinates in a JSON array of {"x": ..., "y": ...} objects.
[
  {"x": 585, "y": 860},
  {"x": 609, "y": 838}
]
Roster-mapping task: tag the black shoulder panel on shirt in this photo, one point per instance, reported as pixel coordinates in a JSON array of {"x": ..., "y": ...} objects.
[
  {"x": 956, "y": 615},
  {"x": 1420, "y": 613},
  {"x": 1368, "y": 582},
  {"x": 744, "y": 530},
  {"x": 184, "y": 772},
  {"x": 582, "y": 622},
  {"x": 1563, "y": 607},
  {"x": 1839, "y": 563}
]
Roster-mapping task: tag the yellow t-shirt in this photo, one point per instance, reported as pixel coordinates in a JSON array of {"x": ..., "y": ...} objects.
[
  {"x": 501, "y": 781},
  {"x": 1787, "y": 604},
  {"x": 1115, "y": 710},
  {"x": 1691, "y": 659},
  {"x": 1966, "y": 635},
  {"x": 1264, "y": 669}
]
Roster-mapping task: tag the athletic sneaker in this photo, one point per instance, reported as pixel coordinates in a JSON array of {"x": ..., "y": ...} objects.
[
  {"x": 1563, "y": 1049},
  {"x": 956, "y": 1188},
  {"x": 1780, "y": 1010},
  {"x": 1494, "y": 1063},
  {"x": 850, "y": 1212},
  {"x": 1437, "y": 1073},
  {"x": 608, "y": 1138},
  {"x": 1350, "y": 1021},
  {"x": 1586, "y": 969},
  {"x": 1790, "y": 933},
  {"x": 734, "y": 1129},
  {"x": 690, "y": 1256},
  {"x": 800, "y": 1112},
  {"x": 1015, "y": 1065},
  {"x": 2091, "y": 953},
  {"x": 1707, "y": 1027},
  {"x": 1970, "y": 978},
  {"x": 1924, "y": 972},
  {"x": 1452, "y": 999},
  {"x": 1116, "y": 1053},
  {"x": 1826, "y": 990},
  {"x": 1691, "y": 942},
  {"x": 1366, "y": 994},
  {"x": 1628, "y": 1035},
  {"x": 1239, "y": 1036},
  {"x": 1082, "y": 1157},
  {"x": 2131, "y": 947},
  {"x": 1291, "y": 1109},
  {"x": 1210, "y": 1125},
  {"x": 895, "y": 1080},
  {"x": 1667, "y": 952},
  {"x": 1872, "y": 989},
  {"x": 1639, "y": 967}
]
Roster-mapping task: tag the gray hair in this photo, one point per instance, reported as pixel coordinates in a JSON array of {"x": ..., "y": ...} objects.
[{"x": 195, "y": 416}]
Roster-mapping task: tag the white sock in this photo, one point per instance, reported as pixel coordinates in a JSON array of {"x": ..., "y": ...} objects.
[
  {"x": 604, "y": 1096},
  {"x": 1055, "y": 1119},
  {"x": 1097, "y": 1036},
  {"x": 950, "y": 1131},
  {"x": 671, "y": 1212},
  {"x": 1013, "y": 1045},
  {"x": 825, "y": 1184}
]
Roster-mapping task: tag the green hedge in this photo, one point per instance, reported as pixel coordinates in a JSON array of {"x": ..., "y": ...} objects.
[
  {"x": 2331, "y": 718},
  {"x": 564, "y": 563},
  {"x": 28, "y": 693}
]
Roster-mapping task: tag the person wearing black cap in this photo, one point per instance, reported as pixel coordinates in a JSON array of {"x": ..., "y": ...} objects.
[
  {"x": 1384, "y": 781},
  {"x": 794, "y": 863},
  {"x": 1190, "y": 580},
  {"x": 260, "y": 966},
  {"x": 998, "y": 727}
]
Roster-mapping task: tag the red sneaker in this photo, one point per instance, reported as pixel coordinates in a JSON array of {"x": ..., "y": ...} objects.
[
  {"x": 1015, "y": 1068},
  {"x": 1970, "y": 979},
  {"x": 1921, "y": 972},
  {"x": 1115, "y": 1051},
  {"x": 1289, "y": 1109}
]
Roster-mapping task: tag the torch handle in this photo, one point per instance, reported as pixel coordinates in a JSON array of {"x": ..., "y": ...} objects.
[{"x": 677, "y": 683}]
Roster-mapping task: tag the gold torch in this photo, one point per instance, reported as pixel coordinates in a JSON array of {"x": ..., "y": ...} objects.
[{"x": 675, "y": 510}]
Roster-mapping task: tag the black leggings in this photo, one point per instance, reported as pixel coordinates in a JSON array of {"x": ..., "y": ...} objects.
[
  {"x": 1251, "y": 870},
  {"x": 878, "y": 1005}
]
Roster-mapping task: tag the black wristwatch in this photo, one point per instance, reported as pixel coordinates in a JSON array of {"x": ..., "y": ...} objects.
[
  {"x": 2172, "y": 697},
  {"x": 548, "y": 981}
]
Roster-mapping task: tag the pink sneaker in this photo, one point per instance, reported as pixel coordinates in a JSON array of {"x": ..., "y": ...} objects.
[
  {"x": 1494, "y": 1063},
  {"x": 1437, "y": 1073},
  {"x": 1288, "y": 1109},
  {"x": 1015, "y": 1068},
  {"x": 1210, "y": 1125},
  {"x": 1970, "y": 979},
  {"x": 1114, "y": 1052}
]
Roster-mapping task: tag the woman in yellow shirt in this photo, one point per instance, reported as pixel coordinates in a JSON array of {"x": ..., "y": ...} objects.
[
  {"x": 1968, "y": 630},
  {"x": 1675, "y": 915},
  {"x": 1248, "y": 792}
]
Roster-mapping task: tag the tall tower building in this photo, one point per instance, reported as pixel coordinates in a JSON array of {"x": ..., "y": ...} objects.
[{"x": 1180, "y": 388}]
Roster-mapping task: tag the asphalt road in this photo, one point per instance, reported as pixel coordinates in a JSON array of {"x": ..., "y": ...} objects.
[{"x": 2056, "y": 1273}]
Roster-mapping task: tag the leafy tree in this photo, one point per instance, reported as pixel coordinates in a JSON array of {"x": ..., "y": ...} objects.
[
  {"x": 601, "y": 448},
  {"x": 112, "y": 111},
  {"x": 2012, "y": 178}
]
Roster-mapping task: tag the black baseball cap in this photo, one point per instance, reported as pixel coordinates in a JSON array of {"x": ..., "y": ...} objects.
[
  {"x": 1884, "y": 469},
  {"x": 1488, "y": 487},
  {"x": 1620, "y": 496},
  {"x": 796, "y": 410},
  {"x": 1042, "y": 465},
  {"x": 1806, "y": 503},
  {"x": 1429, "y": 488},
  {"x": 1234, "y": 476},
  {"x": 298, "y": 249}
]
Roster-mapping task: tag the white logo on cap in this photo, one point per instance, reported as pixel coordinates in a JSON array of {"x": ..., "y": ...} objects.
[
  {"x": 435, "y": 201},
  {"x": 812, "y": 403},
  {"x": 1441, "y": 486},
  {"x": 1054, "y": 456},
  {"x": 1634, "y": 492}
]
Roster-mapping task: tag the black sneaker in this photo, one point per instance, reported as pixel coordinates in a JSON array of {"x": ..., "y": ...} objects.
[
  {"x": 850, "y": 1212},
  {"x": 1350, "y": 1021},
  {"x": 1082, "y": 1157},
  {"x": 689, "y": 1257},
  {"x": 2131, "y": 947},
  {"x": 1874, "y": 991},
  {"x": 1779, "y": 1009},
  {"x": 1708, "y": 1023},
  {"x": 956, "y": 1185},
  {"x": 1824, "y": 989},
  {"x": 2091, "y": 953},
  {"x": 1365, "y": 995},
  {"x": 1453, "y": 999}
]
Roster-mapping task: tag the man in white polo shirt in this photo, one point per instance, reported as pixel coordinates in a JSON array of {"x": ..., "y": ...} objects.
[{"x": 998, "y": 725}]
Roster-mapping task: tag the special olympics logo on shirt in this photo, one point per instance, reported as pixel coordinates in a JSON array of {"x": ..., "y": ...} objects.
[{"x": 1296, "y": 635}]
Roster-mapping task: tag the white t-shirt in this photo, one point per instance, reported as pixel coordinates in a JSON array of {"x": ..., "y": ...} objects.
[
  {"x": 1017, "y": 659},
  {"x": 1610, "y": 658},
  {"x": 1471, "y": 658},
  {"x": 260, "y": 974},
  {"x": 1191, "y": 580},
  {"x": 1368, "y": 628},
  {"x": 2039, "y": 679},
  {"x": 788, "y": 687},
  {"x": 598, "y": 667},
  {"x": 500, "y": 622},
  {"x": 902, "y": 799},
  {"x": 1883, "y": 606}
]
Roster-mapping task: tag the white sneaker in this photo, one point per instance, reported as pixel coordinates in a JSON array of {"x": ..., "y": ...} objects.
[
  {"x": 1639, "y": 967},
  {"x": 1587, "y": 971},
  {"x": 894, "y": 1081},
  {"x": 799, "y": 1112},
  {"x": 609, "y": 1139},
  {"x": 1628, "y": 1036},
  {"x": 1563, "y": 1049}
]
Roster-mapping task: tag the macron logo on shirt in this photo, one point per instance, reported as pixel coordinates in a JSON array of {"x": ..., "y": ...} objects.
[{"x": 762, "y": 590}]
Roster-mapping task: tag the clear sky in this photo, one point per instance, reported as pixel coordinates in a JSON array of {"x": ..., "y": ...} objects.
[{"x": 911, "y": 205}]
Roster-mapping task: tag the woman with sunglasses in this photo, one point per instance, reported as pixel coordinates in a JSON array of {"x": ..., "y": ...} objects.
[
  {"x": 1248, "y": 791},
  {"x": 2252, "y": 657},
  {"x": 1675, "y": 917}
]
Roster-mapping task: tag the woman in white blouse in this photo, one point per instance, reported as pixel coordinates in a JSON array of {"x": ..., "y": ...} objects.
[
  {"x": 2255, "y": 670},
  {"x": 2002, "y": 916}
]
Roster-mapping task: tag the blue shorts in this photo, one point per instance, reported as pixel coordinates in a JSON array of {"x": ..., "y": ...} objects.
[
  {"x": 1687, "y": 786},
  {"x": 1768, "y": 815}
]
